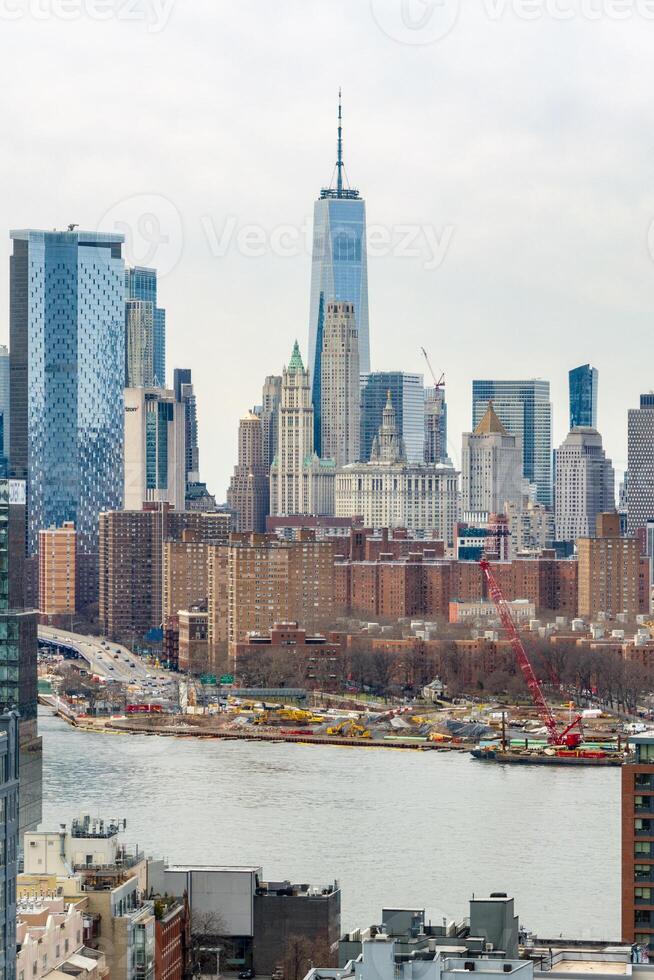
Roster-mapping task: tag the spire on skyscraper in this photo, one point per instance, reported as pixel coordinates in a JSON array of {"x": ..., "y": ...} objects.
[{"x": 339, "y": 156}]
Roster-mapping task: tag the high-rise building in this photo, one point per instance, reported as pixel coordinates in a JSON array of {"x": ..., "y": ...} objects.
[
  {"x": 271, "y": 399},
  {"x": 339, "y": 270},
  {"x": 141, "y": 284},
  {"x": 249, "y": 489},
  {"x": 389, "y": 491},
  {"x": 408, "y": 397},
  {"x": 4, "y": 410},
  {"x": 640, "y": 454},
  {"x": 67, "y": 370},
  {"x": 139, "y": 344},
  {"x": 340, "y": 406},
  {"x": 525, "y": 410},
  {"x": 585, "y": 484},
  {"x": 613, "y": 575},
  {"x": 58, "y": 570},
  {"x": 154, "y": 448},
  {"x": 583, "y": 382},
  {"x": 638, "y": 843},
  {"x": 9, "y": 828},
  {"x": 300, "y": 483},
  {"x": 185, "y": 573},
  {"x": 491, "y": 466},
  {"x": 435, "y": 425}
]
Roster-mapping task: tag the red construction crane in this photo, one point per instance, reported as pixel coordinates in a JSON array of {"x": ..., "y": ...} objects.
[{"x": 554, "y": 736}]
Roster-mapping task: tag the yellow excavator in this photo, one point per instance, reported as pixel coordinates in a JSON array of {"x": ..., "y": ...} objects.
[{"x": 349, "y": 729}]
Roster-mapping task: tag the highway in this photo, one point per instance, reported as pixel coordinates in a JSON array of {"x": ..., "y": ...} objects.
[{"x": 106, "y": 659}]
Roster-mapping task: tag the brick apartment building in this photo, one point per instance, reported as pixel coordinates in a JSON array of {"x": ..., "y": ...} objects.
[
  {"x": 638, "y": 844},
  {"x": 613, "y": 573}
]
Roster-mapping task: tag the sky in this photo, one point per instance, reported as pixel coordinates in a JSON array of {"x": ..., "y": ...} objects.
[{"x": 505, "y": 150}]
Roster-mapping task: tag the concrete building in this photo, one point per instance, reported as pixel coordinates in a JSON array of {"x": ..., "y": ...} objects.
[
  {"x": 464, "y": 612},
  {"x": 4, "y": 410},
  {"x": 640, "y": 456},
  {"x": 585, "y": 484},
  {"x": 248, "y": 496},
  {"x": 613, "y": 575},
  {"x": 435, "y": 425},
  {"x": 131, "y": 562},
  {"x": 154, "y": 448},
  {"x": 271, "y": 399},
  {"x": 185, "y": 572},
  {"x": 58, "y": 570},
  {"x": 638, "y": 843},
  {"x": 408, "y": 398},
  {"x": 339, "y": 388},
  {"x": 390, "y": 492},
  {"x": 491, "y": 466},
  {"x": 50, "y": 936},
  {"x": 300, "y": 482},
  {"x": 525, "y": 410},
  {"x": 531, "y": 527}
]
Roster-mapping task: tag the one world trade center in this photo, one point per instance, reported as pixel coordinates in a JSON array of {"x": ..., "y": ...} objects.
[{"x": 339, "y": 269}]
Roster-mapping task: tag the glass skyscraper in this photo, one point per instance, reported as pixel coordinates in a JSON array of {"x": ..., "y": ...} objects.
[
  {"x": 339, "y": 270},
  {"x": 583, "y": 396},
  {"x": 525, "y": 409},
  {"x": 67, "y": 370},
  {"x": 4, "y": 409},
  {"x": 141, "y": 284},
  {"x": 408, "y": 398}
]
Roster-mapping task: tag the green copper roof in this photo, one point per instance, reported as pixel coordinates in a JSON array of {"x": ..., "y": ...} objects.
[{"x": 295, "y": 363}]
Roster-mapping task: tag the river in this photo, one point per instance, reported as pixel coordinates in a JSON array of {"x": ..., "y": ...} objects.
[{"x": 395, "y": 828}]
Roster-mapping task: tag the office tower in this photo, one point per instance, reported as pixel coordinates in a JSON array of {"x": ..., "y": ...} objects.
[
  {"x": 408, "y": 397},
  {"x": 637, "y": 800},
  {"x": 491, "y": 467},
  {"x": 339, "y": 270},
  {"x": 525, "y": 410},
  {"x": 67, "y": 369},
  {"x": 340, "y": 406},
  {"x": 640, "y": 455},
  {"x": 585, "y": 484},
  {"x": 131, "y": 562},
  {"x": 58, "y": 571},
  {"x": 154, "y": 448},
  {"x": 435, "y": 425},
  {"x": 583, "y": 382},
  {"x": 300, "y": 483},
  {"x": 185, "y": 395},
  {"x": 388, "y": 491},
  {"x": 613, "y": 575},
  {"x": 271, "y": 398},
  {"x": 9, "y": 825},
  {"x": 248, "y": 493},
  {"x": 4, "y": 410},
  {"x": 141, "y": 284},
  {"x": 139, "y": 344}
]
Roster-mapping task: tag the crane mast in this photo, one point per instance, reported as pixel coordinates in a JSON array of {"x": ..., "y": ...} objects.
[{"x": 554, "y": 736}]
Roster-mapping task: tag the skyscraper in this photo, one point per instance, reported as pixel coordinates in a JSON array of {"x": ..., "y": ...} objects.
[
  {"x": 300, "y": 483},
  {"x": 139, "y": 344},
  {"x": 585, "y": 484},
  {"x": 67, "y": 371},
  {"x": 435, "y": 425},
  {"x": 154, "y": 448},
  {"x": 248, "y": 493},
  {"x": 339, "y": 270},
  {"x": 583, "y": 382},
  {"x": 525, "y": 410},
  {"x": 491, "y": 467},
  {"x": 340, "y": 406},
  {"x": 408, "y": 398},
  {"x": 141, "y": 284},
  {"x": 640, "y": 455},
  {"x": 184, "y": 393},
  {"x": 4, "y": 410},
  {"x": 271, "y": 397}
]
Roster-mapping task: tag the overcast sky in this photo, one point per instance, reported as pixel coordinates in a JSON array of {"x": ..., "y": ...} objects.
[{"x": 507, "y": 147}]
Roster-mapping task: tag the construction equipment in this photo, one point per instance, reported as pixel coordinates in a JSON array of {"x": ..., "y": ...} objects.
[
  {"x": 566, "y": 737},
  {"x": 349, "y": 729},
  {"x": 441, "y": 381},
  {"x": 300, "y": 714}
]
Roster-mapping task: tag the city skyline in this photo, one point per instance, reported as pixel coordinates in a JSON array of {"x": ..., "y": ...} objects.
[{"x": 566, "y": 286}]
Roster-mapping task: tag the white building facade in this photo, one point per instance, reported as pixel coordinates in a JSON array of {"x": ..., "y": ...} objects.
[
  {"x": 155, "y": 448},
  {"x": 340, "y": 407},
  {"x": 491, "y": 466},
  {"x": 585, "y": 484}
]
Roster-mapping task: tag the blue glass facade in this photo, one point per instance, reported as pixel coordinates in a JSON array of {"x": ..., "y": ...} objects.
[
  {"x": 66, "y": 378},
  {"x": 583, "y": 396},
  {"x": 408, "y": 398},
  {"x": 141, "y": 283},
  {"x": 339, "y": 272},
  {"x": 524, "y": 408},
  {"x": 9, "y": 838}
]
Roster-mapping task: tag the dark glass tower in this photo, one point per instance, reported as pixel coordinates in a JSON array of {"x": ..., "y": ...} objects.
[
  {"x": 583, "y": 396},
  {"x": 339, "y": 269}
]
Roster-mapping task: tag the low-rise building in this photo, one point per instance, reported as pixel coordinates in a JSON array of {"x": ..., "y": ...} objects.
[
  {"x": 463, "y": 612},
  {"x": 317, "y": 657},
  {"x": 50, "y": 938}
]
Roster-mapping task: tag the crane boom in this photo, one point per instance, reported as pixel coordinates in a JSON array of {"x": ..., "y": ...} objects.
[
  {"x": 437, "y": 384},
  {"x": 554, "y": 737}
]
